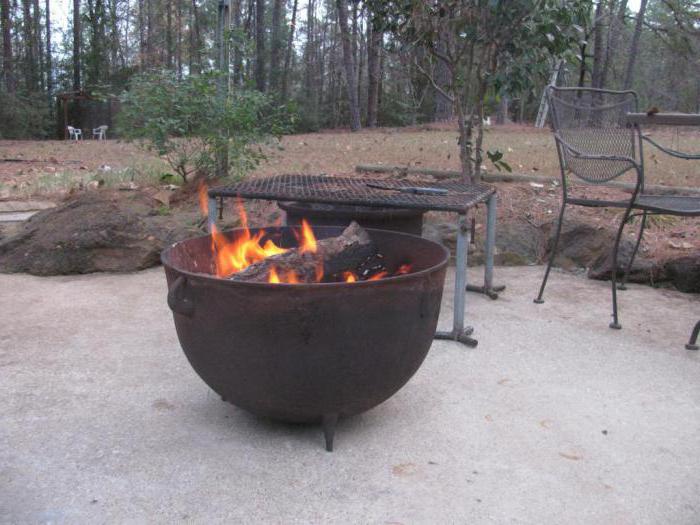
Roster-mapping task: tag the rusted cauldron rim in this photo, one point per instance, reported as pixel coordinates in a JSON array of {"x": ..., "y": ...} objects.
[{"x": 165, "y": 259}]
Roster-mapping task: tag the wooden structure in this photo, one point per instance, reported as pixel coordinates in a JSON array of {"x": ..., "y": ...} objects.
[{"x": 96, "y": 111}]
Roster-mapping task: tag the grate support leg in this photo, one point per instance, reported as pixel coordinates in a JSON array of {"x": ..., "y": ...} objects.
[
  {"x": 459, "y": 332},
  {"x": 488, "y": 288},
  {"x": 211, "y": 213}
]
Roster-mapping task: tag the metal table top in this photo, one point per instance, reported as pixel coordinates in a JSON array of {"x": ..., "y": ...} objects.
[{"x": 459, "y": 198}]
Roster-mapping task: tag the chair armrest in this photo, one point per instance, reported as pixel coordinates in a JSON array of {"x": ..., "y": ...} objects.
[
  {"x": 664, "y": 119},
  {"x": 671, "y": 152}
]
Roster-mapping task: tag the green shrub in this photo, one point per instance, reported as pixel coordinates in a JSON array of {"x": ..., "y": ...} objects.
[
  {"x": 186, "y": 123},
  {"x": 24, "y": 116}
]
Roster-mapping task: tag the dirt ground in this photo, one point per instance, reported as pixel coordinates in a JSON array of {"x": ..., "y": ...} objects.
[{"x": 52, "y": 169}]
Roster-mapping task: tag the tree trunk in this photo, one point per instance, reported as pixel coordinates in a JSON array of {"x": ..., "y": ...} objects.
[
  {"x": 28, "y": 37},
  {"x": 237, "y": 51},
  {"x": 76, "y": 45},
  {"x": 350, "y": 78},
  {"x": 38, "y": 45},
  {"x": 149, "y": 33},
  {"x": 582, "y": 65},
  {"x": 614, "y": 33},
  {"x": 114, "y": 43},
  {"x": 443, "y": 106},
  {"x": 374, "y": 44},
  {"x": 7, "y": 58},
  {"x": 276, "y": 47},
  {"x": 178, "y": 39},
  {"x": 195, "y": 42},
  {"x": 49, "y": 60},
  {"x": 290, "y": 49},
  {"x": 168, "y": 35},
  {"x": 632, "y": 57},
  {"x": 142, "y": 36},
  {"x": 598, "y": 52},
  {"x": 310, "y": 94},
  {"x": 503, "y": 110},
  {"x": 260, "y": 81}
]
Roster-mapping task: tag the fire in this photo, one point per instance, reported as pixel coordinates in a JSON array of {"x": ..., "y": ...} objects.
[
  {"x": 279, "y": 277},
  {"x": 308, "y": 240},
  {"x": 234, "y": 255}
]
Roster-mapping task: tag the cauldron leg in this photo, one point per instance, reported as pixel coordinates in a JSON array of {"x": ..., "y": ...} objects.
[{"x": 329, "y": 422}]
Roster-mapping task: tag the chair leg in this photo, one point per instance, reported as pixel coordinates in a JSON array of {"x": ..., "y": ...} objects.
[
  {"x": 693, "y": 341},
  {"x": 623, "y": 284},
  {"x": 552, "y": 255},
  {"x": 613, "y": 277}
]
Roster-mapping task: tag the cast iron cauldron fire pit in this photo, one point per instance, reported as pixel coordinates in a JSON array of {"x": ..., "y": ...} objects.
[{"x": 307, "y": 352}]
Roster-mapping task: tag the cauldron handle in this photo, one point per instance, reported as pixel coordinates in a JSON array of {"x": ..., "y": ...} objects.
[{"x": 177, "y": 302}]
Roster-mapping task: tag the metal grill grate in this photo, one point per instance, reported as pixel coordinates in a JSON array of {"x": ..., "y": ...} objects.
[{"x": 355, "y": 191}]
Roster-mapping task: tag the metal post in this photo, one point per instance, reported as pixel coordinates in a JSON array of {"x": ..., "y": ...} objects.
[
  {"x": 211, "y": 214},
  {"x": 488, "y": 288},
  {"x": 458, "y": 332},
  {"x": 490, "y": 240},
  {"x": 461, "y": 274}
]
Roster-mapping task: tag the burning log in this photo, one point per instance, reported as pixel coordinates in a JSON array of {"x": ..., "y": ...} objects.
[{"x": 308, "y": 264}]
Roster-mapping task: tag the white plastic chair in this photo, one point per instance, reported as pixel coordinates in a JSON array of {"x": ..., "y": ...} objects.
[
  {"x": 100, "y": 132},
  {"x": 74, "y": 133}
]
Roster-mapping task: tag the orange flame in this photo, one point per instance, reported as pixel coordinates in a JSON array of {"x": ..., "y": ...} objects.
[
  {"x": 231, "y": 255},
  {"x": 308, "y": 239}
]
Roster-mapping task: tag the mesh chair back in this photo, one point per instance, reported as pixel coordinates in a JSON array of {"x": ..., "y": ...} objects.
[{"x": 592, "y": 123}]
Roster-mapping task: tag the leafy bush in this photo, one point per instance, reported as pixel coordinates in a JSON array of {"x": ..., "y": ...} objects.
[
  {"x": 186, "y": 123},
  {"x": 24, "y": 116}
]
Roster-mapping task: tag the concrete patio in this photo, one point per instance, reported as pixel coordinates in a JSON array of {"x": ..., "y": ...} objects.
[{"x": 553, "y": 418}]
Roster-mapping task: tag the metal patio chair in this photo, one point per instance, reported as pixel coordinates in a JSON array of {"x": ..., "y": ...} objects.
[{"x": 598, "y": 137}]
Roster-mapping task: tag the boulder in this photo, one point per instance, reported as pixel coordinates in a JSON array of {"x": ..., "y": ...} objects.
[
  {"x": 684, "y": 272},
  {"x": 580, "y": 244},
  {"x": 93, "y": 232},
  {"x": 517, "y": 243}
]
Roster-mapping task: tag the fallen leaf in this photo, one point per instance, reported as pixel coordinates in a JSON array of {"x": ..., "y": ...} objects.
[
  {"x": 572, "y": 457},
  {"x": 404, "y": 469}
]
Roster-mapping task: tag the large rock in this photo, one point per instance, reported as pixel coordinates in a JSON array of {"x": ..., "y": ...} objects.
[
  {"x": 580, "y": 244},
  {"x": 517, "y": 243},
  {"x": 684, "y": 272},
  {"x": 586, "y": 246},
  {"x": 93, "y": 232}
]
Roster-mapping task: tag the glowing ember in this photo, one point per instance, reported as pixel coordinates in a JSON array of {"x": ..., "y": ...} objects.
[
  {"x": 349, "y": 277},
  {"x": 403, "y": 269},
  {"x": 378, "y": 276}
]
